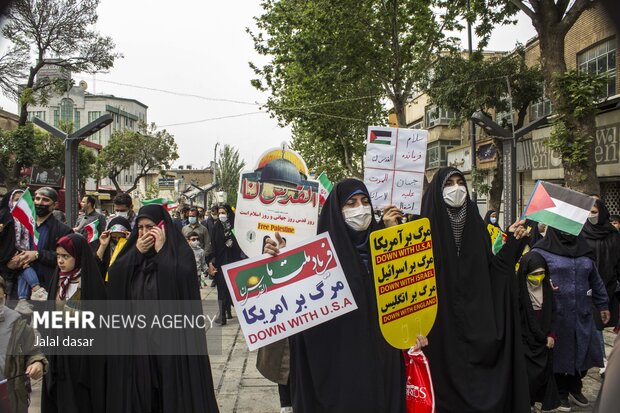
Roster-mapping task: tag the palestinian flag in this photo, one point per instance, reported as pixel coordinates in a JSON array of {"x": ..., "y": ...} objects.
[
  {"x": 92, "y": 232},
  {"x": 25, "y": 213},
  {"x": 382, "y": 136},
  {"x": 558, "y": 207},
  {"x": 325, "y": 187}
]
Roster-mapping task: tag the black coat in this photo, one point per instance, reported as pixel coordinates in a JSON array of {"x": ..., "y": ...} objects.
[
  {"x": 345, "y": 364},
  {"x": 475, "y": 351},
  {"x": 183, "y": 383},
  {"x": 46, "y": 264}
]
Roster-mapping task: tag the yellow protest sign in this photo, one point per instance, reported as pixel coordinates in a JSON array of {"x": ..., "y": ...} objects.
[{"x": 404, "y": 273}]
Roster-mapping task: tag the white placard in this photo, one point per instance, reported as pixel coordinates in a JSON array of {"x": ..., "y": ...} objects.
[
  {"x": 394, "y": 167},
  {"x": 276, "y": 297}
]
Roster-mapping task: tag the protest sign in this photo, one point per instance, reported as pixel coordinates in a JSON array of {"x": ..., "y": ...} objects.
[
  {"x": 394, "y": 167},
  {"x": 404, "y": 273},
  {"x": 277, "y": 196},
  {"x": 276, "y": 297}
]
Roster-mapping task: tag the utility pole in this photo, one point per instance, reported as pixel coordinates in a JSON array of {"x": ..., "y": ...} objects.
[
  {"x": 72, "y": 141},
  {"x": 472, "y": 125}
]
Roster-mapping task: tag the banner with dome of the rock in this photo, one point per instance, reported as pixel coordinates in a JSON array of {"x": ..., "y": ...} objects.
[{"x": 276, "y": 196}]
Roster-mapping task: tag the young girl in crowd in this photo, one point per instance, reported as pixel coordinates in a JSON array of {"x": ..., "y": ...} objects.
[
  {"x": 76, "y": 383},
  {"x": 537, "y": 309}
]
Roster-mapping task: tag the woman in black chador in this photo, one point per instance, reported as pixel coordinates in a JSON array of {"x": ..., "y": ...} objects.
[
  {"x": 225, "y": 251},
  {"x": 537, "y": 309},
  {"x": 475, "y": 351},
  {"x": 76, "y": 383},
  {"x": 156, "y": 263},
  {"x": 604, "y": 240},
  {"x": 345, "y": 364}
]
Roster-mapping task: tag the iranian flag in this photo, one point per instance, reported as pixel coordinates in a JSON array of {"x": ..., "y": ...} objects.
[
  {"x": 24, "y": 212},
  {"x": 92, "y": 232},
  {"x": 559, "y": 207},
  {"x": 325, "y": 187},
  {"x": 155, "y": 201}
]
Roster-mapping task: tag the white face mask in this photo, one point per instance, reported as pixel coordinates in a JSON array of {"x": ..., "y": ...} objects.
[
  {"x": 593, "y": 218},
  {"x": 223, "y": 217},
  {"x": 358, "y": 218},
  {"x": 493, "y": 220},
  {"x": 123, "y": 214},
  {"x": 195, "y": 244},
  {"x": 455, "y": 195}
]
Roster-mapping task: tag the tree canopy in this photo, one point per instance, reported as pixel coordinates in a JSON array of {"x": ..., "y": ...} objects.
[
  {"x": 229, "y": 168},
  {"x": 149, "y": 149}
]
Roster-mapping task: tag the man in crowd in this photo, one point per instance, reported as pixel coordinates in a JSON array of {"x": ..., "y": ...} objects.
[
  {"x": 183, "y": 219},
  {"x": 615, "y": 221},
  {"x": 210, "y": 221},
  {"x": 195, "y": 226},
  {"x": 123, "y": 207},
  {"x": 89, "y": 215},
  {"x": 43, "y": 258}
]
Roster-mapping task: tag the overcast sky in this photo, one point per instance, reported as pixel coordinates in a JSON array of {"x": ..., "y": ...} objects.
[{"x": 201, "y": 48}]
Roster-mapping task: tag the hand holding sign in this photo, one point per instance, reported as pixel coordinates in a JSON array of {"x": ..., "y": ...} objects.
[{"x": 404, "y": 271}]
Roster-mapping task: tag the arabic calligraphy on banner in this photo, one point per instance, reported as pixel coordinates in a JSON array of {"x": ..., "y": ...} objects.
[
  {"x": 404, "y": 272},
  {"x": 277, "y": 196},
  {"x": 300, "y": 288},
  {"x": 394, "y": 167}
]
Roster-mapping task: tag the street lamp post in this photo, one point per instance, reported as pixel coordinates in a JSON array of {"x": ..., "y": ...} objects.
[
  {"x": 509, "y": 150},
  {"x": 72, "y": 141}
]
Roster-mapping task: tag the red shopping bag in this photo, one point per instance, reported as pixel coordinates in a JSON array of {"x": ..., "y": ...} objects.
[{"x": 420, "y": 395}]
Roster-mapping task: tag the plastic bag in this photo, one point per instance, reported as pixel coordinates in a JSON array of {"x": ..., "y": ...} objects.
[{"x": 420, "y": 394}]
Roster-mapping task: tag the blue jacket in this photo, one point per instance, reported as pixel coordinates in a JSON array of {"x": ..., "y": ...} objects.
[{"x": 577, "y": 347}]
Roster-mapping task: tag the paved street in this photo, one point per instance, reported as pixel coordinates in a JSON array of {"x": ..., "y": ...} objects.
[{"x": 239, "y": 387}]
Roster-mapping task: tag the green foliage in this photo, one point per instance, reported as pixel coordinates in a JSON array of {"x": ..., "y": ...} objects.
[
  {"x": 152, "y": 191},
  {"x": 16, "y": 152},
  {"x": 332, "y": 64},
  {"x": 577, "y": 94},
  {"x": 466, "y": 85},
  {"x": 229, "y": 168},
  {"x": 479, "y": 181},
  {"x": 148, "y": 148},
  {"x": 60, "y": 32}
]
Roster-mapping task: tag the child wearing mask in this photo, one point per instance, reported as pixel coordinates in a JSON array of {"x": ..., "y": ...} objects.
[
  {"x": 16, "y": 239},
  {"x": 537, "y": 310},
  {"x": 201, "y": 264}
]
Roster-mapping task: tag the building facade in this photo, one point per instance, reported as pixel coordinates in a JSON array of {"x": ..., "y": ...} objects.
[
  {"x": 590, "y": 45},
  {"x": 78, "y": 107}
]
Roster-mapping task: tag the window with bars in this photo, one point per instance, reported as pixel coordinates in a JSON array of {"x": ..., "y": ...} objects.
[
  {"x": 437, "y": 153},
  {"x": 40, "y": 114},
  {"x": 542, "y": 107},
  {"x": 416, "y": 124},
  {"x": 66, "y": 111},
  {"x": 437, "y": 116},
  {"x": 92, "y": 115},
  {"x": 601, "y": 59}
]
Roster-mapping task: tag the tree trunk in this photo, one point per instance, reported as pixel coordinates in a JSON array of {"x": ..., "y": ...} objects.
[
  {"x": 580, "y": 177},
  {"x": 583, "y": 177},
  {"x": 399, "y": 110}
]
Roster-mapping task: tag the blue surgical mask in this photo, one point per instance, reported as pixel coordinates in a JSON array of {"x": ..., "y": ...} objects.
[
  {"x": 493, "y": 220},
  {"x": 192, "y": 220}
]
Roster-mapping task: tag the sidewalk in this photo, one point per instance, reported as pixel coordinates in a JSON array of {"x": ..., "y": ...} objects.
[{"x": 239, "y": 387}]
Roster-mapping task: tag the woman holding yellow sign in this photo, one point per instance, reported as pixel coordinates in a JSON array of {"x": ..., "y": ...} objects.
[
  {"x": 345, "y": 365},
  {"x": 475, "y": 351}
]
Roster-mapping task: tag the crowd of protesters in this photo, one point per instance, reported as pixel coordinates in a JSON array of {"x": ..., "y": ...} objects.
[{"x": 516, "y": 330}]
